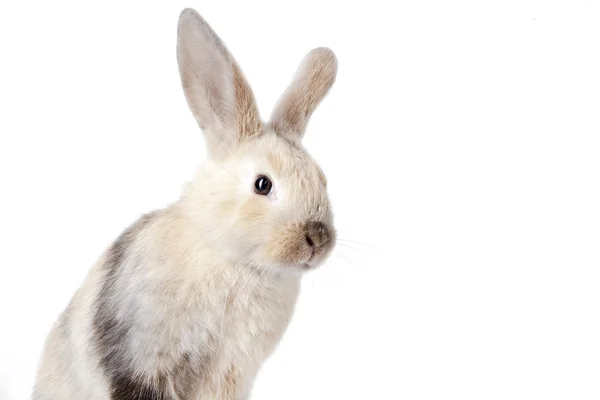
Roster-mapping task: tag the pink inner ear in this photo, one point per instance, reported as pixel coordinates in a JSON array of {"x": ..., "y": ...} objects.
[{"x": 217, "y": 93}]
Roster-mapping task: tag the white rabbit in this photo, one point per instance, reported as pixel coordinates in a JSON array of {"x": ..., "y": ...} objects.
[{"x": 190, "y": 300}]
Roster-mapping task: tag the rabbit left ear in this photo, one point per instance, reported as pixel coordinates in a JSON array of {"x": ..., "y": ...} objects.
[
  {"x": 312, "y": 81},
  {"x": 216, "y": 91}
]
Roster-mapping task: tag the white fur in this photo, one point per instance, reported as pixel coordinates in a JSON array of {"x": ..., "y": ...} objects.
[{"x": 208, "y": 285}]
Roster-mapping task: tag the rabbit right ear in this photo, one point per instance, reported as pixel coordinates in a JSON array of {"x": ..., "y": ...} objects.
[
  {"x": 216, "y": 91},
  {"x": 312, "y": 81}
]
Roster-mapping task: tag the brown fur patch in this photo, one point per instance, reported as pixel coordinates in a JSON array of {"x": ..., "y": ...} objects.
[
  {"x": 251, "y": 210},
  {"x": 247, "y": 117},
  {"x": 275, "y": 161},
  {"x": 230, "y": 384}
]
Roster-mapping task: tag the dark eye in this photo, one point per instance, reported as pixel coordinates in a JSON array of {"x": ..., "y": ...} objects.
[{"x": 263, "y": 185}]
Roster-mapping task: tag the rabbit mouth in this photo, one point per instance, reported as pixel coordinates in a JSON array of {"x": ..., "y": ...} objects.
[
  {"x": 313, "y": 260},
  {"x": 307, "y": 264}
]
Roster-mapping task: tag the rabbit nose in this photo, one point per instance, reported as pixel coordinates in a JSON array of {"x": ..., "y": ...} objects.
[{"x": 316, "y": 233}]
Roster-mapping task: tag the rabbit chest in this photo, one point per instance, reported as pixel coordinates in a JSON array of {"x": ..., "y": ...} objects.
[{"x": 205, "y": 335}]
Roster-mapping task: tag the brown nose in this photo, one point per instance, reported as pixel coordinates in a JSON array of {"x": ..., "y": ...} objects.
[{"x": 316, "y": 233}]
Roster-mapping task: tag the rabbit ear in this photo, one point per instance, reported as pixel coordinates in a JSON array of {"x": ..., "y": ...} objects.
[
  {"x": 312, "y": 81},
  {"x": 216, "y": 91}
]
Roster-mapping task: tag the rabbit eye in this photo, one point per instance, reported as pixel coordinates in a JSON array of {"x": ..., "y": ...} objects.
[{"x": 263, "y": 185}]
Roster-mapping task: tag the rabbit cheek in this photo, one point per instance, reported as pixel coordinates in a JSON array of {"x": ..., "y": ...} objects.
[
  {"x": 225, "y": 207},
  {"x": 252, "y": 210}
]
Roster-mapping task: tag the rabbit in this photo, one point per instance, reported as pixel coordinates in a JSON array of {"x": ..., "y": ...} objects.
[{"x": 191, "y": 299}]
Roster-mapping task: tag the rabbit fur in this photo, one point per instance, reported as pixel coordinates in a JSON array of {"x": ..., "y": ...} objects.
[{"x": 191, "y": 299}]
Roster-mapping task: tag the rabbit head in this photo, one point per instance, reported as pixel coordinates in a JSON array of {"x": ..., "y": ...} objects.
[{"x": 259, "y": 197}]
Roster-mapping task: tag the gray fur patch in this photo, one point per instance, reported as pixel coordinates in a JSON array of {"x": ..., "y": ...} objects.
[{"x": 110, "y": 333}]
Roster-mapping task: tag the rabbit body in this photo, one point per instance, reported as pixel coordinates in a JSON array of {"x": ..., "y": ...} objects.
[
  {"x": 170, "y": 329},
  {"x": 190, "y": 300}
]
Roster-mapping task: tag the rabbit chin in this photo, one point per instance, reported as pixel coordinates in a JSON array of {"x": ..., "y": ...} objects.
[
  {"x": 277, "y": 265},
  {"x": 262, "y": 257},
  {"x": 277, "y": 258},
  {"x": 295, "y": 259}
]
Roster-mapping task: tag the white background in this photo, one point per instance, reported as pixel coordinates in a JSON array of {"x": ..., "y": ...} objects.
[{"x": 462, "y": 146}]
